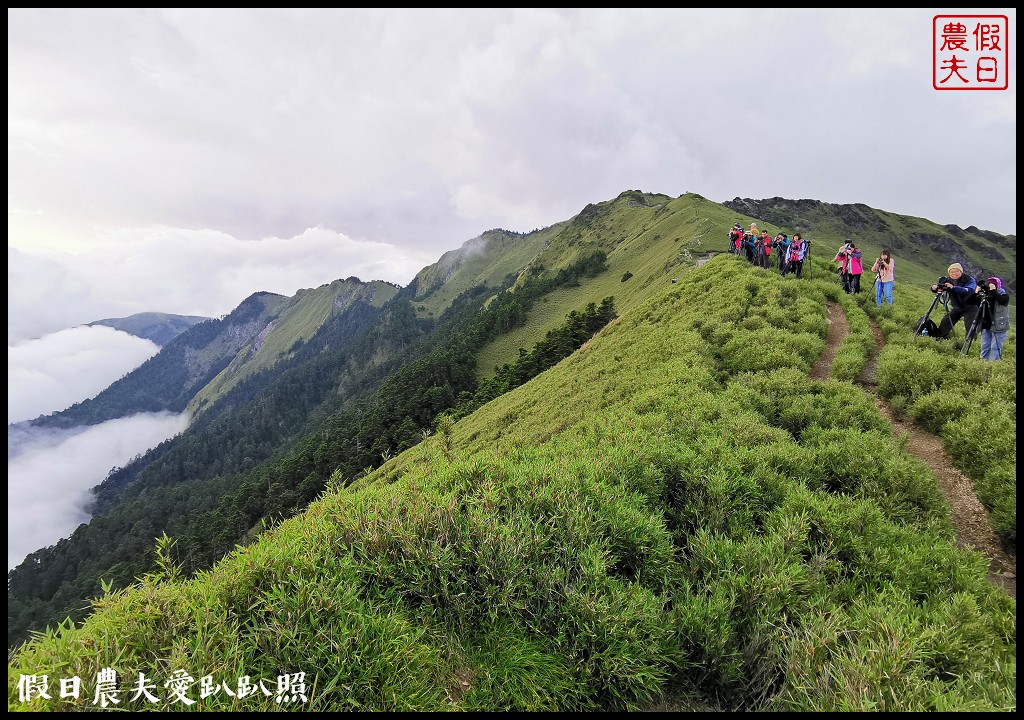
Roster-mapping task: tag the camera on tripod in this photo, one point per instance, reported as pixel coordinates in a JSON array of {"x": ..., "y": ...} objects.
[
  {"x": 941, "y": 282},
  {"x": 984, "y": 290}
]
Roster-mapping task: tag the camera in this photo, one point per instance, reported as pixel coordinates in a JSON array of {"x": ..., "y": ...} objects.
[{"x": 984, "y": 292}]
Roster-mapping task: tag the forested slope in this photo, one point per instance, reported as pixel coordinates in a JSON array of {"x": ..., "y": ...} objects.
[{"x": 675, "y": 515}]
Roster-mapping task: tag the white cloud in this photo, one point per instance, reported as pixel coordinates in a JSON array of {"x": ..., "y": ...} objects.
[
  {"x": 183, "y": 272},
  {"x": 178, "y": 160},
  {"x": 53, "y": 372},
  {"x": 50, "y": 474}
]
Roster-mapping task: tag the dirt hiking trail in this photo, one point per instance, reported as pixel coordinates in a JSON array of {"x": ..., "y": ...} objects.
[{"x": 970, "y": 520}]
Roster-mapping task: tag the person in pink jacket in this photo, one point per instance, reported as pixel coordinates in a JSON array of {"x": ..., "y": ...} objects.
[
  {"x": 842, "y": 259},
  {"x": 885, "y": 267},
  {"x": 856, "y": 268}
]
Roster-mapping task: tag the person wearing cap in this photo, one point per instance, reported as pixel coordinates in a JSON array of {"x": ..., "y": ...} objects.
[
  {"x": 885, "y": 268},
  {"x": 959, "y": 288},
  {"x": 996, "y": 323}
]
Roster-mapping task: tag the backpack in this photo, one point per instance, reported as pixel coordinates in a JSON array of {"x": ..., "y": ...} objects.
[
  {"x": 795, "y": 249},
  {"x": 926, "y": 326}
]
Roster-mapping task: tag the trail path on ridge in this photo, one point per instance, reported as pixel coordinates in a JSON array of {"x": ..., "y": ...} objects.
[
  {"x": 838, "y": 328},
  {"x": 970, "y": 520}
]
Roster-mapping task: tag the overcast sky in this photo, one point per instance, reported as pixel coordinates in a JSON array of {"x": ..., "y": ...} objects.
[
  {"x": 180, "y": 160},
  {"x": 167, "y": 151}
]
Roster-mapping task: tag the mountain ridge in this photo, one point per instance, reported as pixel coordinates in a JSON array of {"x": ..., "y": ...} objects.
[
  {"x": 674, "y": 511},
  {"x": 157, "y": 327},
  {"x": 287, "y": 419}
]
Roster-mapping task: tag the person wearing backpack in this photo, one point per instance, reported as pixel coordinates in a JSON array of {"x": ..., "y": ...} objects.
[
  {"x": 996, "y": 323},
  {"x": 797, "y": 252},
  {"x": 756, "y": 250},
  {"x": 766, "y": 250},
  {"x": 750, "y": 242}
]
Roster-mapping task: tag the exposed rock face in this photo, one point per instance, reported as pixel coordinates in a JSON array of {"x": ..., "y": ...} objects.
[
  {"x": 345, "y": 298},
  {"x": 780, "y": 211},
  {"x": 588, "y": 215},
  {"x": 259, "y": 339}
]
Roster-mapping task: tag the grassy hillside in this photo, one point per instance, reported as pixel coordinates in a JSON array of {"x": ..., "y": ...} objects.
[
  {"x": 675, "y": 516},
  {"x": 649, "y": 239},
  {"x": 970, "y": 403},
  {"x": 169, "y": 379},
  {"x": 486, "y": 260},
  {"x": 305, "y": 313}
]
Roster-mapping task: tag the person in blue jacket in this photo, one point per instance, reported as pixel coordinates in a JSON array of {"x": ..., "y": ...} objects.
[
  {"x": 750, "y": 239},
  {"x": 781, "y": 244},
  {"x": 959, "y": 290}
]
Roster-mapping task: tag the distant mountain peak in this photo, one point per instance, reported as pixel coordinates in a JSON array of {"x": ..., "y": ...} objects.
[{"x": 156, "y": 327}]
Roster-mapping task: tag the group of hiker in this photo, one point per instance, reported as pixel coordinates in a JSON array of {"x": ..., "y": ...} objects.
[
  {"x": 983, "y": 305},
  {"x": 850, "y": 265},
  {"x": 963, "y": 295},
  {"x": 758, "y": 247}
]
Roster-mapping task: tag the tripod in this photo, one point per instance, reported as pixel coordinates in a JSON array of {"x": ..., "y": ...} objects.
[
  {"x": 922, "y": 328},
  {"x": 984, "y": 311}
]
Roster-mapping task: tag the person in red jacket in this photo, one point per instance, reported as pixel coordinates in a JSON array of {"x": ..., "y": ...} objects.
[{"x": 735, "y": 238}]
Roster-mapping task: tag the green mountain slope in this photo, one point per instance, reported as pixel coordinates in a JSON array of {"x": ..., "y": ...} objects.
[
  {"x": 648, "y": 240},
  {"x": 649, "y": 237},
  {"x": 296, "y": 323},
  {"x": 675, "y": 515},
  {"x": 202, "y": 364},
  {"x": 169, "y": 379},
  {"x": 487, "y": 261},
  {"x": 366, "y": 384},
  {"x": 323, "y": 384}
]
